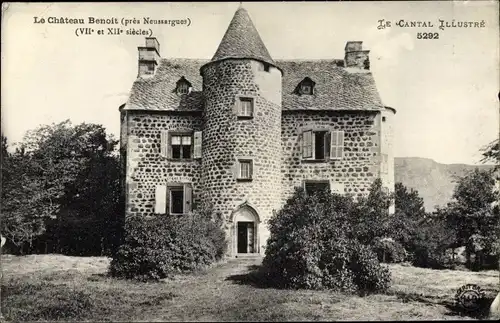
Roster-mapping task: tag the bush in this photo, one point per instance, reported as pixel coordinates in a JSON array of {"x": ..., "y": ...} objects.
[
  {"x": 389, "y": 251},
  {"x": 159, "y": 247},
  {"x": 312, "y": 245}
]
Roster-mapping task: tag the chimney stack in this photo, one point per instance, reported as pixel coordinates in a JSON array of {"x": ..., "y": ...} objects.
[
  {"x": 149, "y": 57},
  {"x": 355, "y": 56}
]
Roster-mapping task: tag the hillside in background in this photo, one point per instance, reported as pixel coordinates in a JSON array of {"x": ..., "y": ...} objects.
[{"x": 434, "y": 181}]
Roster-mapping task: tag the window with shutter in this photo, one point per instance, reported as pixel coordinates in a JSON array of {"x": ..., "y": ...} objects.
[
  {"x": 179, "y": 198},
  {"x": 337, "y": 145},
  {"x": 180, "y": 145},
  {"x": 315, "y": 145}
]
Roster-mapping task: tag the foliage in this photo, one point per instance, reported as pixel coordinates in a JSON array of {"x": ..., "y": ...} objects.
[
  {"x": 430, "y": 244},
  {"x": 389, "y": 251},
  {"x": 161, "y": 246},
  {"x": 313, "y": 244},
  {"x": 61, "y": 176},
  {"x": 470, "y": 212}
]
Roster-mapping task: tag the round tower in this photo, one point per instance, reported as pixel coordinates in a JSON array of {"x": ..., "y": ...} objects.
[
  {"x": 387, "y": 150},
  {"x": 241, "y": 157}
]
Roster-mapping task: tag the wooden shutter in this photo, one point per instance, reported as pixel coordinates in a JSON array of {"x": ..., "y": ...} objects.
[
  {"x": 307, "y": 144},
  {"x": 197, "y": 144},
  {"x": 161, "y": 199},
  {"x": 163, "y": 143},
  {"x": 250, "y": 170},
  {"x": 337, "y": 145},
  {"x": 327, "y": 145},
  {"x": 188, "y": 198}
]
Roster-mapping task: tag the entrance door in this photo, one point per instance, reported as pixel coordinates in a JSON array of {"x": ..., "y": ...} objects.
[{"x": 246, "y": 237}]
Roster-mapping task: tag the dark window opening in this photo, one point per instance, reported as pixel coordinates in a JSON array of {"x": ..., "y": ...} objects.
[
  {"x": 181, "y": 146},
  {"x": 313, "y": 188},
  {"x": 176, "y": 200},
  {"x": 383, "y": 119},
  {"x": 266, "y": 67},
  {"x": 319, "y": 145},
  {"x": 306, "y": 89},
  {"x": 151, "y": 67}
]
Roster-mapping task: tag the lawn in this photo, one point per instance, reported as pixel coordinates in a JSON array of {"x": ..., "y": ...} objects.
[{"x": 55, "y": 287}]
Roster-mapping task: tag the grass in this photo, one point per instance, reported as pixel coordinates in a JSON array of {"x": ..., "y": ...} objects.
[{"x": 55, "y": 287}]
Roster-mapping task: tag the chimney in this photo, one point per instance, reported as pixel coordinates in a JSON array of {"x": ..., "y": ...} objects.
[
  {"x": 149, "y": 56},
  {"x": 355, "y": 56}
]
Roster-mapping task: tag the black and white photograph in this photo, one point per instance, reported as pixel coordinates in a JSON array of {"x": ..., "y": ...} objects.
[{"x": 250, "y": 161}]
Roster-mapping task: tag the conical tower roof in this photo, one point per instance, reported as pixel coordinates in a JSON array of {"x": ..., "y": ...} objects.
[{"x": 242, "y": 40}]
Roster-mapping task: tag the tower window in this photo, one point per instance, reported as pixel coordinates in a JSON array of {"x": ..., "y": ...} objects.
[
  {"x": 245, "y": 169},
  {"x": 245, "y": 108}
]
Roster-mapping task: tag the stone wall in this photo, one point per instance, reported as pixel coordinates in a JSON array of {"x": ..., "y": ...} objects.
[
  {"x": 146, "y": 168},
  {"x": 227, "y": 138},
  {"x": 355, "y": 172}
]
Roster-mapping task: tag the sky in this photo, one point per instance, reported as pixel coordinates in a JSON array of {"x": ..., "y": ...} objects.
[{"x": 445, "y": 90}]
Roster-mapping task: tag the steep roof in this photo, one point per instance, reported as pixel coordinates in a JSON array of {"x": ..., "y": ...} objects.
[
  {"x": 336, "y": 87},
  {"x": 242, "y": 40},
  {"x": 158, "y": 92}
]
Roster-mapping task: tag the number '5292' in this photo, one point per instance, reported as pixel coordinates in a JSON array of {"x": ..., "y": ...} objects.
[{"x": 427, "y": 35}]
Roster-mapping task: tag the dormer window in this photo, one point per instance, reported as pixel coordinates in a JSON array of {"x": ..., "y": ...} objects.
[
  {"x": 305, "y": 87},
  {"x": 183, "y": 86}
]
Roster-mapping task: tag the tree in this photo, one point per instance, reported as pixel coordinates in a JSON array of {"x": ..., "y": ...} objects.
[
  {"x": 68, "y": 174},
  {"x": 471, "y": 214}
]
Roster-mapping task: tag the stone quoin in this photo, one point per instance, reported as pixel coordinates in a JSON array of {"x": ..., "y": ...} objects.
[{"x": 242, "y": 130}]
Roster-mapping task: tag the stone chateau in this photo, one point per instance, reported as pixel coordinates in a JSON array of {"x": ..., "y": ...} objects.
[{"x": 242, "y": 130}]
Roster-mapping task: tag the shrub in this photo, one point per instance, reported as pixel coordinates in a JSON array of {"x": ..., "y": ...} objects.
[
  {"x": 159, "y": 247},
  {"x": 312, "y": 245},
  {"x": 388, "y": 250}
]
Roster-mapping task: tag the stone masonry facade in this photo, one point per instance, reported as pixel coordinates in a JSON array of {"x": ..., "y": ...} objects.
[{"x": 242, "y": 131}]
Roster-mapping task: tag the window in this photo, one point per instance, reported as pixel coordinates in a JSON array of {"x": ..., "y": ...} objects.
[
  {"x": 245, "y": 169},
  {"x": 322, "y": 144},
  {"x": 181, "y": 146},
  {"x": 383, "y": 119},
  {"x": 151, "y": 67},
  {"x": 264, "y": 67},
  {"x": 313, "y": 187},
  {"x": 173, "y": 198},
  {"x": 305, "y": 89},
  {"x": 183, "y": 88},
  {"x": 245, "y": 108}
]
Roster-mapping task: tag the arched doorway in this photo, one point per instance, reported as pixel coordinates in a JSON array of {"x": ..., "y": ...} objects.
[{"x": 245, "y": 230}]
